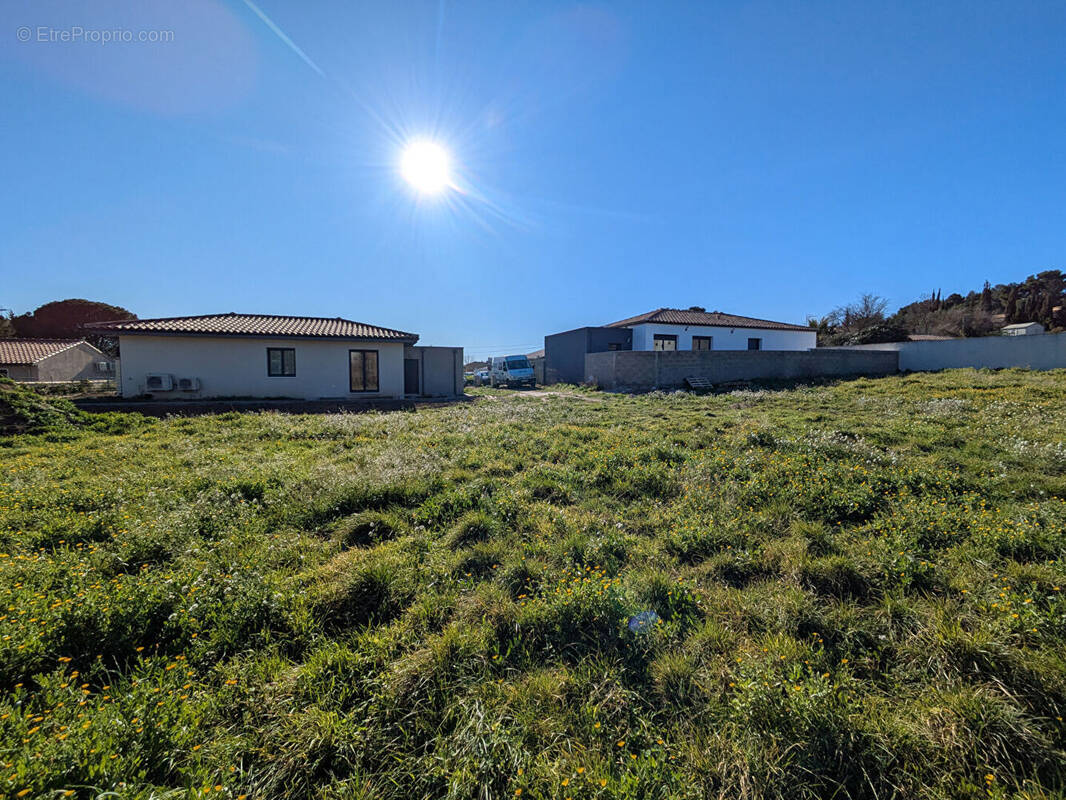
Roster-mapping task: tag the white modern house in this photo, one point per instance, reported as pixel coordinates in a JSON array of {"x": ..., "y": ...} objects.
[
  {"x": 268, "y": 356},
  {"x": 696, "y": 329},
  {"x": 54, "y": 361},
  {"x": 670, "y": 329}
]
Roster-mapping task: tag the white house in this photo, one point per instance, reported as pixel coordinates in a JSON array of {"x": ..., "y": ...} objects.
[
  {"x": 267, "y": 356},
  {"x": 53, "y": 360},
  {"x": 696, "y": 329},
  {"x": 1022, "y": 329}
]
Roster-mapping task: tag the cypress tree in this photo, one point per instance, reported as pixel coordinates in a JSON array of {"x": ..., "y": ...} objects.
[
  {"x": 986, "y": 297},
  {"x": 1010, "y": 310}
]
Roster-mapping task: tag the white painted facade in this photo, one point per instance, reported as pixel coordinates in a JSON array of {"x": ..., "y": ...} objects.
[
  {"x": 724, "y": 338},
  {"x": 236, "y": 366},
  {"x": 1023, "y": 329}
]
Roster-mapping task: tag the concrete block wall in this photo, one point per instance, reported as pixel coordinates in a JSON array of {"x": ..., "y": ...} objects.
[{"x": 641, "y": 371}]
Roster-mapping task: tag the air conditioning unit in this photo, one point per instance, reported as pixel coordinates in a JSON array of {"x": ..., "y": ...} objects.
[
  {"x": 104, "y": 366},
  {"x": 159, "y": 382},
  {"x": 188, "y": 384}
]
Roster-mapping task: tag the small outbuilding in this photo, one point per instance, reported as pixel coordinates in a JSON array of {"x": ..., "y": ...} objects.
[
  {"x": 270, "y": 356},
  {"x": 54, "y": 361},
  {"x": 1022, "y": 329}
]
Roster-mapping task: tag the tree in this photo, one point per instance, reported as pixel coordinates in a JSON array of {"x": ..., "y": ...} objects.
[
  {"x": 869, "y": 310},
  {"x": 1010, "y": 309},
  {"x": 1047, "y": 312},
  {"x": 986, "y": 298},
  {"x": 881, "y": 332},
  {"x": 842, "y": 323},
  {"x": 65, "y": 319},
  {"x": 7, "y": 327}
]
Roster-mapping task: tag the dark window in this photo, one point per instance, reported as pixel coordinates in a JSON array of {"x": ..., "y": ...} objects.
[
  {"x": 755, "y": 344},
  {"x": 665, "y": 341},
  {"x": 281, "y": 362},
  {"x": 3, "y": 373},
  {"x": 363, "y": 370},
  {"x": 614, "y": 346},
  {"x": 701, "y": 342}
]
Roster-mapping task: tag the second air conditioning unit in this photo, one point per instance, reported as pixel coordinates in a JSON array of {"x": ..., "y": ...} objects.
[{"x": 188, "y": 384}]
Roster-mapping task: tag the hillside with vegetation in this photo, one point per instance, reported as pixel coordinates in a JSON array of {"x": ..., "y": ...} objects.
[
  {"x": 848, "y": 590},
  {"x": 1039, "y": 298}
]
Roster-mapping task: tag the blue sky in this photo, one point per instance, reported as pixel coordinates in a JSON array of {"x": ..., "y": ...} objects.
[{"x": 769, "y": 159}]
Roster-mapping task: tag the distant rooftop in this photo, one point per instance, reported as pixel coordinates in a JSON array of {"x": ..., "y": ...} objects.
[
  {"x": 678, "y": 316},
  {"x": 234, "y": 324},
  {"x": 26, "y": 352}
]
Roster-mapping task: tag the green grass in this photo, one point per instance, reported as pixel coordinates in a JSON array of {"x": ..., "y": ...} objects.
[{"x": 856, "y": 591}]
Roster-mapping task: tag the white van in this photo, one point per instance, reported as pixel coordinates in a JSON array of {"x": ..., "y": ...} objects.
[{"x": 511, "y": 371}]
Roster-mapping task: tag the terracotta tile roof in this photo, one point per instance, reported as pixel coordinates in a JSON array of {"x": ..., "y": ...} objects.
[
  {"x": 30, "y": 351},
  {"x": 677, "y": 316},
  {"x": 234, "y": 324}
]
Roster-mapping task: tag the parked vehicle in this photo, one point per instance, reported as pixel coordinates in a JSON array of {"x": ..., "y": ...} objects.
[
  {"x": 482, "y": 376},
  {"x": 511, "y": 371}
]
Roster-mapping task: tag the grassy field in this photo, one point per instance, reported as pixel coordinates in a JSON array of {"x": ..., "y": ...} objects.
[{"x": 834, "y": 591}]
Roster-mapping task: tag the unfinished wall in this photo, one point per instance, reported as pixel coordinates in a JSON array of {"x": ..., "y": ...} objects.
[
  {"x": 440, "y": 370},
  {"x": 564, "y": 353},
  {"x": 641, "y": 371},
  {"x": 1047, "y": 351}
]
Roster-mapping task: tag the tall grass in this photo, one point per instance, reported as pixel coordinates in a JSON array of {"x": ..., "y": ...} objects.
[{"x": 849, "y": 590}]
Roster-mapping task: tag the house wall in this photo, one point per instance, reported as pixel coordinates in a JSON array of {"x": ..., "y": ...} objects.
[
  {"x": 77, "y": 363},
  {"x": 564, "y": 353},
  {"x": 1046, "y": 351},
  {"x": 724, "y": 338},
  {"x": 233, "y": 366},
  {"x": 641, "y": 371},
  {"x": 20, "y": 372},
  {"x": 440, "y": 370}
]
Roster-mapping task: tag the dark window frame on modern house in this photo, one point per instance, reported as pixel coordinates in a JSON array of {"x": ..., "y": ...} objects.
[
  {"x": 702, "y": 343},
  {"x": 660, "y": 340},
  {"x": 613, "y": 347},
  {"x": 755, "y": 343},
  {"x": 363, "y": 372},
  {"x": 281, "y": 370}
]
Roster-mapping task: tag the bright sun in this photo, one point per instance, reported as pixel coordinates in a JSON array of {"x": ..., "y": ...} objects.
[{"x": 426, "y": 166}]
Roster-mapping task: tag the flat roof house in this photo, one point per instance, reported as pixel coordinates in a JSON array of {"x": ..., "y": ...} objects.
[
  {"x": 670, "y": 329},
  {"x": 53, "y": 360},
  {"x": 270, "y": 356}
]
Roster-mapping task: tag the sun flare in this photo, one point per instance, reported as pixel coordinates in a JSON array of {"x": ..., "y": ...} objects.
[{"x": 426, "y": 166}]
